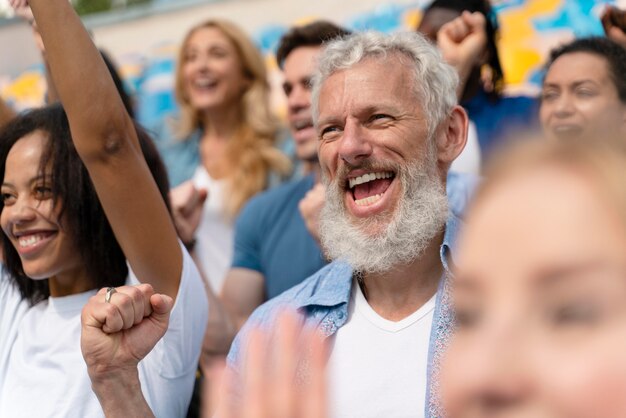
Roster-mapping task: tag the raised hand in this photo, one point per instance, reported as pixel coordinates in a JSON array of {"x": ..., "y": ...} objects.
[
  {"x": 463, "y": 44},
  {"x": 614, "y": 23},
  {"x": 310, "y": 208},
  {"x": 273, "y": 383},
  {"x": 18, "y": 4},
  {"x": 118, "y": 333},
  {"x": 187, "y": 202}
]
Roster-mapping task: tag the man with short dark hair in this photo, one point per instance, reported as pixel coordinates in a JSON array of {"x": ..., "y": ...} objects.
[{"x": 276, "y": 238}]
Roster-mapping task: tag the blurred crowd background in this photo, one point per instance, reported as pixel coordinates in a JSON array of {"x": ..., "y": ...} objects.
[{"x": 142, "y": 36}]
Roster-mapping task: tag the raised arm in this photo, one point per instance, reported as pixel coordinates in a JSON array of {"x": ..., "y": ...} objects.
[
  {"x": 462, "y": 42},
  {"x": 118, "y": 330},
  {"x": 106, "y": 141}
]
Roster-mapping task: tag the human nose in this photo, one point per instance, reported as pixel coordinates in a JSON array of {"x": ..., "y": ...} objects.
[
  {"x": 563, "y": 106},
  {"x": 354, "y": 145},
  {"x": 21, "y": 211},
  {"x": 200, "y": 63}
]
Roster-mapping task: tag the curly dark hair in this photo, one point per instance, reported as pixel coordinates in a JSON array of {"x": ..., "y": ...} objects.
[{"x": 80, "y": 211}]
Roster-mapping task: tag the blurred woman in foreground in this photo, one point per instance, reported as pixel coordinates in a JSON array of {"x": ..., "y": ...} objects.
[{"x": 540, "y": 293}]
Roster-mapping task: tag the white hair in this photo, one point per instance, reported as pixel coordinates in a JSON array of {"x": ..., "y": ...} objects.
[
  {"x": 420, "y": 216},
  {"x": 435, "y": 82}
]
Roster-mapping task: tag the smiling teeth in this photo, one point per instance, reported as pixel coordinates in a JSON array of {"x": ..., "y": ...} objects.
[
  {"x": 204, "y": 83},
  {"x": 368, "y": 200},
  {"x": 30, "y": 240},
  {"x": 368, "y": 177}
]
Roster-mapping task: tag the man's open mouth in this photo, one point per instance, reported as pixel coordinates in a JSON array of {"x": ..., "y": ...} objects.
[{"x": 369, "y": 188}]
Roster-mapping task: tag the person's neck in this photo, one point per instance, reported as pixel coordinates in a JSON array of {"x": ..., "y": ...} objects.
[
  {"x": 221, "y": 123},
  {"x": 69, "y": 283},
  {"x": 396, "y": 294}
]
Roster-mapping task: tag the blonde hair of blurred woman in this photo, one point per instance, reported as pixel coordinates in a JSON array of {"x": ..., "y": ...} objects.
[
  {"x": 601, "y": 160},
  {"x": 251, "y": 153}
]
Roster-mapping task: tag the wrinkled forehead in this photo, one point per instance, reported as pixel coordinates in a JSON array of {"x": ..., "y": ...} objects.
[{"x": 371, "y": 75}]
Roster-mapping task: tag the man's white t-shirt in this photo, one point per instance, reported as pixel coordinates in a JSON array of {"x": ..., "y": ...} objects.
[
  {"x": 42, "y": 371},
  {"x": 377, "y": 367}
]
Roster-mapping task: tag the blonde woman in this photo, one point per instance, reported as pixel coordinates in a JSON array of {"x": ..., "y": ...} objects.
[{"x": 222, "y": 140}]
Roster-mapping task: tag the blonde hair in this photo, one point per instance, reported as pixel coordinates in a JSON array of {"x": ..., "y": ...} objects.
[
  {"x": 602, "y": 161},
  {"x": 251, "y": 152}
]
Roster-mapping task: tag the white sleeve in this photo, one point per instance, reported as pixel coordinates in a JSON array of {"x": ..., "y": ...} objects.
[
  {"x": 12, "y": 310},
  {"x": 168, "y": 372}
]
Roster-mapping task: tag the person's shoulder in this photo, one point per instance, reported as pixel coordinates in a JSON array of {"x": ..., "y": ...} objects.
[
  {"x": 463, "y": 180},
  {"x": 320, "y": 286},
  {"x": 295, "y": 296},
  {"x": 13, "y": 307},
  {"x": 164, "y": 131},
  {"x": 274, "y": 199},
  {"x": 282, "y": 192}
]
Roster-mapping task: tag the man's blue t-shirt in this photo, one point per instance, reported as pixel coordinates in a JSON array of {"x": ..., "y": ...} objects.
[{"x": 271, "y": 238}]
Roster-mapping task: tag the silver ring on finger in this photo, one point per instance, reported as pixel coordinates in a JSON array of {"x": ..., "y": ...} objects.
[{"x": 108, "y": 294}]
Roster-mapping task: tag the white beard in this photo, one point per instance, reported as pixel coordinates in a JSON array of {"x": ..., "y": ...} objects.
[{"x": 421, "y": 214}]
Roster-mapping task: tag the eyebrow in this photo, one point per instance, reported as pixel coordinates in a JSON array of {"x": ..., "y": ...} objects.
[
  {"x": 44, "y": 176},
  {"x": 330, "y": 120},
  {"x": 555, "y": 276},
  {"x": 574, "y": 84}
]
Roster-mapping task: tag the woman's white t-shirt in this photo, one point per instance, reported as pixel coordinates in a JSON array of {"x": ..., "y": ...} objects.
[
  {"x": 43, "y": 374},
  {"x": 215, "y": 234}
]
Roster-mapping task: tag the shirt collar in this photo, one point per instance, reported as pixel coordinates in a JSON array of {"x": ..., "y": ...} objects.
[
  {"x": 332, "y": 286},
  {"x": 448, "y": 247},
  {"x": 334, "y": 283}
]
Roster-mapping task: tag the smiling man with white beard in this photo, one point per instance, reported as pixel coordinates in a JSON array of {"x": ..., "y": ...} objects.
[
  {"x": 389, "y": 127},
  {"x": 370, "y": 248}
]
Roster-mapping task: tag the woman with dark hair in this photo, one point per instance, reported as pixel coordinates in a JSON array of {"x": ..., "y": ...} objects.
[
  {"x": 80, "y": 211},
  {"x": 584, "y": 89}
]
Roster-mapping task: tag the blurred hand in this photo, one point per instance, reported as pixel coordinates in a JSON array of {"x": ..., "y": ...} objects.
[
  {"x": 25, "y": 13},
  {"x": 18, "y": 4},
  {"x": 187, "y": 202},
  {"x": 272, "y": 386},
  {"x": 614, "y": 23},
  {"x": 463, "y": 41},
  {"x": 310, "y": 208},
  {"x": 116, "y": 335}
]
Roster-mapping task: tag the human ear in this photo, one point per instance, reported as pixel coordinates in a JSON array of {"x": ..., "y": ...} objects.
[{"x": 452, "y": 136}]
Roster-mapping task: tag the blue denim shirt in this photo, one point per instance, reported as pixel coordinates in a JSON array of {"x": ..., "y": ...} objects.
[{"x": 322, "y": 300}]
